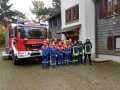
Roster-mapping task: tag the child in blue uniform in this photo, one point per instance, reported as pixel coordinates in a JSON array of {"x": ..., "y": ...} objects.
[
  {"x": 60, "y": 58},
  {"x": 53, "y": 57},
  {"x": 53, "y": 54},
  {"x": 69, "y": 51},
  {"x": 68, "y": 57},
  {"x": 45, "y": 56}
]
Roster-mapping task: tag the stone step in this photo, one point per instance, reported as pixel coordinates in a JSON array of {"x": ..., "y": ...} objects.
[{"x": 101, "y": 60}]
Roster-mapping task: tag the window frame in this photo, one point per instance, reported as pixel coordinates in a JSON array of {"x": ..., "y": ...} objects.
[
  {"x": 116, "y": 49},
  {"x": 72, "y": 14},
  {"x": 109, "y": 8}
]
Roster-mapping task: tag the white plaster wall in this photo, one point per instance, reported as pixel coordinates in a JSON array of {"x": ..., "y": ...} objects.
[
  {"x": 82, "y": 35},
  {"x": 90, "y": 21}
]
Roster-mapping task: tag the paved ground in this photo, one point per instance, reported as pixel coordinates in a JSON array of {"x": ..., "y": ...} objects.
[{"x": 100, "y": 76}]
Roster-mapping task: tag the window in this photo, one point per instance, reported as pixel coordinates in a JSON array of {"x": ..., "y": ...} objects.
[
  {"x": 108, "y": 7},
  {"x": 29, "y": 32},
  {"x": 117, "y": 43},
  {"x": 72, "y": 14},
  {"x": 55, "y": 22}
]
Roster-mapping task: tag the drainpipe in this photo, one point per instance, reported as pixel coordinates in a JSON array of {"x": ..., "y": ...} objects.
[{"x": 95, "y": 2}]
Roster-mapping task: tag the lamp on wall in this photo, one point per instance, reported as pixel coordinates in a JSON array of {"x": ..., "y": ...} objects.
[{"x": 115, "y": 21}]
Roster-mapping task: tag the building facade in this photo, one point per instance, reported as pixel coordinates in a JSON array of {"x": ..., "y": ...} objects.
[
  {"x": 98, "y": 20},
  {"x": 78, "y": 20},
  {"x": 0, "y": 3},
  {"x": 55, "y": 26},
  {"x": 108, "y": 29}
]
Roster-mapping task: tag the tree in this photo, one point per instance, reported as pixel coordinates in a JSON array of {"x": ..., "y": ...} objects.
[
  {"x": 39, "y": 9},
  {"x": 2, "y": 35},
  {"x": 18, "y": 16},
  {"x": 5, "y": 11},
  {"x": 56, "y": 5},
  {"x": 43, "y": 12}
]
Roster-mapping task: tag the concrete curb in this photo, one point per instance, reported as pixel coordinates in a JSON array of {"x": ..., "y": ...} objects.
[{"x": 101, "y": 60}]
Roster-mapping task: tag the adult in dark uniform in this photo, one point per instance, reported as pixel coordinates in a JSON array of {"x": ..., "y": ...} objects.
[
  {"x": 87, "y": 51},
  {"x": 80, "y": 46},
  {"x": 75, "y": 53}
]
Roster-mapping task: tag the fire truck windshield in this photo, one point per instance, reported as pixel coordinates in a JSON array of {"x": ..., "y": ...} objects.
[{"x": 29, "y": 32}]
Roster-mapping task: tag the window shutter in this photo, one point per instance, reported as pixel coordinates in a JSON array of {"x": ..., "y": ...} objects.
[
  {"x": 115, "y": 5},
  {"x": 77, "y": 12},
  {"x": 67, "y": 16},
  {"x": 118, "y": 6},
  {"x": 100, "y": 10},
  {"x": 110, "y": 43},
  {"x": 72, "y": 14},
  {"x": 103, "y": 8}
]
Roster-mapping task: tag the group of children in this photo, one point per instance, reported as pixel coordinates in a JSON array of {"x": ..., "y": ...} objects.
[{"x": 58, "y": 52}]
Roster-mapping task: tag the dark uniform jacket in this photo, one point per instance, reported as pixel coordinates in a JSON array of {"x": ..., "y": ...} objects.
[{"x": 87, "y": 48}]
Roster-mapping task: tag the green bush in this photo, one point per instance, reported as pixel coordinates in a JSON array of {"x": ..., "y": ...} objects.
[
  {"x": 2, "y": 35},
  {"x": 2, "y": 39}
]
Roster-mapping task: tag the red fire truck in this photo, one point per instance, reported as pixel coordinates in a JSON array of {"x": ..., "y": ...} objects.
[{"x": 25, "y": 41}]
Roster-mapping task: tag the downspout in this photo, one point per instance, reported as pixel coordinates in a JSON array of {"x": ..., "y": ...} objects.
[{"x": 96, "y": 23}]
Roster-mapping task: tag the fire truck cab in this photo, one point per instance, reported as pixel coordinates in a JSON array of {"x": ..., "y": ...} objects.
[{"x": 25, "y": 41}]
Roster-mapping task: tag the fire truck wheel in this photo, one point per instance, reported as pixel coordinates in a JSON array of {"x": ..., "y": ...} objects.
[{"x": 14, "y": 60}]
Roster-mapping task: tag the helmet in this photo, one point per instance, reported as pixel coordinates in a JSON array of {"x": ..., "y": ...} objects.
[
  {"x": 80, "y": 42},
  {"x": 87, "y": 40}
]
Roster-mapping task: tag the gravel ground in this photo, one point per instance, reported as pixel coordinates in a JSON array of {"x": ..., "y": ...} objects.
[{"x": 31, "y": 76}]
